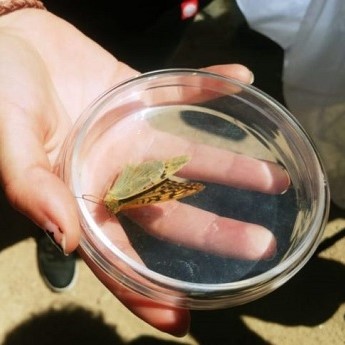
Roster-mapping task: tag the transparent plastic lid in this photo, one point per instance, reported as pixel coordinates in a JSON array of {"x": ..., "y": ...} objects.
[{"x": 253, "y": 195}]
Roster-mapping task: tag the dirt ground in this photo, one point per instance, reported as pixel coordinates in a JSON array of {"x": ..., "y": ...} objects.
[{"x": 309, "y": 309}]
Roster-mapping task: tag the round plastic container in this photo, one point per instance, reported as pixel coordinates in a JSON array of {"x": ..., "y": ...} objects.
[{"x": 245, "y": 234}]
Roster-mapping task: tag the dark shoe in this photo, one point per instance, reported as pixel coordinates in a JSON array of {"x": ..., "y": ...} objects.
[{"x": 58, "y": 271}]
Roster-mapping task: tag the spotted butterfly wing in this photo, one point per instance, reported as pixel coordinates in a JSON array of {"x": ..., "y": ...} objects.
[{"x": 164, "y": 191}]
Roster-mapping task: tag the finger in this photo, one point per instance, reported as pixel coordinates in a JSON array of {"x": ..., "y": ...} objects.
[
  {"x": 198, "y": 229},
  {"x": 212, "y": 164},
  {"x": 29, "y": 183},
  {"x": 171, "y": 320},
  {"x": 236, "y": 170},
  {"x": 235, "y": 71}
]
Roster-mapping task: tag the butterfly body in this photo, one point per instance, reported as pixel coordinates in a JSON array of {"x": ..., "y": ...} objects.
[{"x": 149, "y": 183}]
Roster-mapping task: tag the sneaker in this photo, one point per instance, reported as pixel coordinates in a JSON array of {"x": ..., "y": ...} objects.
[{"x": 58, "y": 271}]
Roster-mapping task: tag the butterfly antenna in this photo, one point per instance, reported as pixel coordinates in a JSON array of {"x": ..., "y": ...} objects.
[{"x": 91, "y": 198}]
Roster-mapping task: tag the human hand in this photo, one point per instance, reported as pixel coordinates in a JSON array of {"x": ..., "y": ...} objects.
[{"x": 49, "y": 72}]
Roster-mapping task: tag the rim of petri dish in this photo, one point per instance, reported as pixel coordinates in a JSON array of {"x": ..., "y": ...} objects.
[{"x": 190, "y": 294}]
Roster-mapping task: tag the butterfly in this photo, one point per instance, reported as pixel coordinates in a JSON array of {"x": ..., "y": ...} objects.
[{"x": 149, "y": 183}]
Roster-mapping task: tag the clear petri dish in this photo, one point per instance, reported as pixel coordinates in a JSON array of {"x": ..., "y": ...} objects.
[{"x": 257, "y": 220}]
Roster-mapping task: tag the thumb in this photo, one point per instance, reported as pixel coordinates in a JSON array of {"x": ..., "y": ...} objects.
[{"x": 30, "y": 184}]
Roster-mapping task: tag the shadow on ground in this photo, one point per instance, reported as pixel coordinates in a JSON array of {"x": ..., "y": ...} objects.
[
  {"x": 73, "y": 325},
  {"x": 309, "y": 299},
  {"x": 293, "y": 304}
]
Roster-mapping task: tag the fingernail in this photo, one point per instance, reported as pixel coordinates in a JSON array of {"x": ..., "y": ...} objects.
[
  {"x": 286, "y": 181},
  {"x": 57, "y": 237},
  {"x": 252, "y": 78},
  {"x": 180, "y": 332}
]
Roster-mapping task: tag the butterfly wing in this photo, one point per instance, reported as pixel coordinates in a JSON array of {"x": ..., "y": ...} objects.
[
  {"x": 135, "y": 179},
  {"x": 171, "y": 166},
  {"x": 166, "y": 190}
]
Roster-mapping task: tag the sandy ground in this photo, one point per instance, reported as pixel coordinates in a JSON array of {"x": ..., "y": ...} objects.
[{"x": 309, "y": 309}]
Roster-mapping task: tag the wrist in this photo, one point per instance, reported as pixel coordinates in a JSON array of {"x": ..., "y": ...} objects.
[{"x": 8, "y": 6}]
